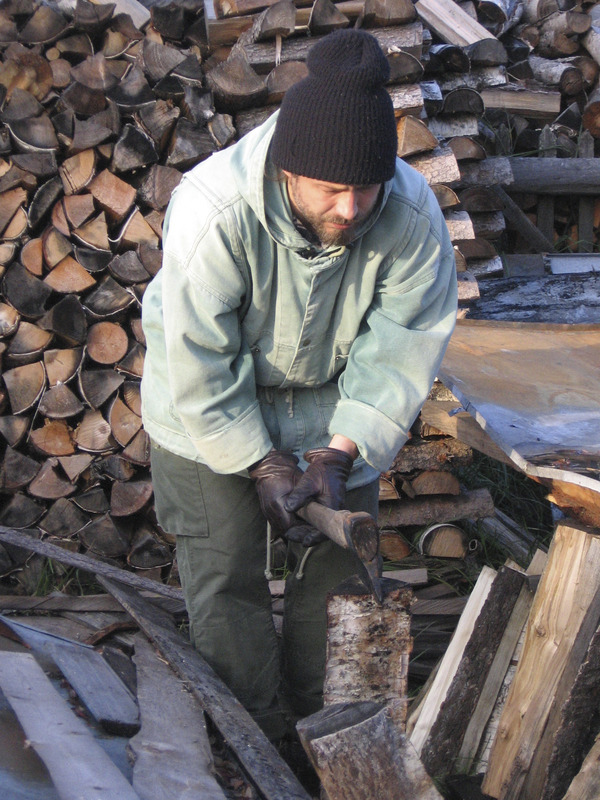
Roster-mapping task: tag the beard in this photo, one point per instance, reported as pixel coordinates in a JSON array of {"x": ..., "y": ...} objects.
[{"x": 320, "y": 225}]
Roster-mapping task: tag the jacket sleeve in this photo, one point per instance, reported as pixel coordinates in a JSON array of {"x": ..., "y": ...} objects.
[
  {"x": 210, "y": 366},
  {"x": 394, "y": 360}
]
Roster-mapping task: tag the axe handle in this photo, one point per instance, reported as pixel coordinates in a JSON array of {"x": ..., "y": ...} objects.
[{"x": 353, "y": 530}]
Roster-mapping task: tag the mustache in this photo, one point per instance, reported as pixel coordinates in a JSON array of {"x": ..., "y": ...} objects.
[{"x": 343, "y": 221}]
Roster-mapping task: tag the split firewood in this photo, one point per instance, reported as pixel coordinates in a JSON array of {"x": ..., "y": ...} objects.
[
  {"x": 25, "y": 386},
  {"x": 129, "y": 497},
  {"x": 540, "y": 694},
  {"x": 447, "y": 58},
  {"x": 463, "y": 100},
  {"x": 50, "y": 483},
  {"x": 393, "y": 546},
  {"x": 560, "y": 33},
  {"x": 487, "y": 52},
  {"x": 189, "y": 144},
  {"x": 62, "y": 364},
  {"x": 437, "y": 166},
  {"x": 63, "y": 517},
  {"x": 451, "y": 23},
  {"x": 460, "y": 225},
  {"x": 325, "y": 17},
  {"x": 452, "y": 126},
  {"x": 406, "y": 99},
  {"x": 333, "y": 739},
  {"x": 67, "y": 320},
  {"x": 17, "y": 470},
  {"x": 235, "y": 84},
  {"x": 404, "y": 67},
  {"x": 124, "y": 423},
  {"x": 59, "y": 402},
  {"x": 53, "y": 438},
  {"x": 468, "y": 287},
  {"x": 27, "y": 344},
  {"x": 435, "y": 482},
  {"x": 282, "y": 77},
  {"x": 446, "y": 197},
  {"x": 381, "y": 13},
  {"x": 276, "y": 20}
]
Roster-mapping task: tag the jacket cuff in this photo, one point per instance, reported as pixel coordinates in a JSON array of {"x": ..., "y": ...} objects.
[
  {"x": 378, "y": 438},
  {"x": 232, "y": 448}
]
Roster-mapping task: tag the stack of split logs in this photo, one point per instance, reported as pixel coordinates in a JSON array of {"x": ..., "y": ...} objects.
[{"x": 102, "y": 109}]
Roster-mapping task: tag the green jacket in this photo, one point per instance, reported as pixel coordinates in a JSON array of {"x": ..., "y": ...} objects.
[{"x": 254, "y": 339}]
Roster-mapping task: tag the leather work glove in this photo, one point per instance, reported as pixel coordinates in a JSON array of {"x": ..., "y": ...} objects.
[
  {"x": 305, "y": 534},
  {"x": 275, "y": 476},
  {"x": 324, "y": 480}
]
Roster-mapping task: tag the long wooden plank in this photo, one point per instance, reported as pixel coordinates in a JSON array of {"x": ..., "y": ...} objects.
[
  {"x": 562, "y": 622},
  {"x": 79, "y": 561},
  {"x": 260, "y": 759},
  {"x": 98, "y": 687},
  {"x": 442, "y": 746},
  {"x": 78, "y": 766},
  {"x": 561, "y": 176},
  {"x": 445, "y": 674},
  {"x": 172, "y": 753},
  {"x": 533, "y": 572},
  {"x": 59, "y": 602},
  {"x": 492, "y": 686}
]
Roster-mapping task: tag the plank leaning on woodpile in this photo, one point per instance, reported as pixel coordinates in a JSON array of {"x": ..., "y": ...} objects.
[{"x": 307, "y": 294}]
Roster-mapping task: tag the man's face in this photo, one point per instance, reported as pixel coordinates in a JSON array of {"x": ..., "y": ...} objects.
[{"x": 331, "y": 210}]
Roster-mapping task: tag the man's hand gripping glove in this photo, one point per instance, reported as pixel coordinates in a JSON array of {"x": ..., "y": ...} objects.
[
  {"x": 275, "y": 477},
  {"x": 324, "y": 480}
]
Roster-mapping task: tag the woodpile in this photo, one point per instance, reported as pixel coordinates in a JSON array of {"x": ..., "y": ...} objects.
[{"x": 102, "y": 108}]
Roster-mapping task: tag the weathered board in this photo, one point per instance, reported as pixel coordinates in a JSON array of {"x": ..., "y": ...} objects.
[
  {"x": 172, "y": 753},
  {"x": 535, "y": 389},
  {"x": 78, "y": 766},
  {"x": 98, "y": 687},
  {"x": 270, "y": 773}
]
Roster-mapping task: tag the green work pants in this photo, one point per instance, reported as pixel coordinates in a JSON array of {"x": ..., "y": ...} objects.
[{"x": 221, "y": 555}]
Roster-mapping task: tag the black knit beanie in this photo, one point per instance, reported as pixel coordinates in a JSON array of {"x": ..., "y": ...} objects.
[{"x": 338, "y": 123}]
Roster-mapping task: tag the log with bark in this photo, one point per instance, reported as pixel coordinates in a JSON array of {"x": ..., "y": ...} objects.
[
  {"x": 334, "y": 740},
  {"x": 546, "y": 715}
]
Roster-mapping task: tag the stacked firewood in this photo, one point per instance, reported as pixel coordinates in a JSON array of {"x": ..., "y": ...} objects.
[
  {"x": 90, "y": 152},
  {"x": 102, "y": 107}
]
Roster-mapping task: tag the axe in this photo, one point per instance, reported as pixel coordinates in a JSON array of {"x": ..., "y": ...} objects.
[{"x": 353, "y": 530}]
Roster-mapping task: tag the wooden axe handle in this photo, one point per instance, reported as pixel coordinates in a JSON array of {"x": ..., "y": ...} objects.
[{"x": 354, "y": 530}]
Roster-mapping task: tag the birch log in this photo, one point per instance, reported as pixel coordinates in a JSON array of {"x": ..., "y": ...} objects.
[{"x": 368, "y": 646}]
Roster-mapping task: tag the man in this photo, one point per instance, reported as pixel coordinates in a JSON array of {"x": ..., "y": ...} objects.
[{"x": 307, "y": 295}]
